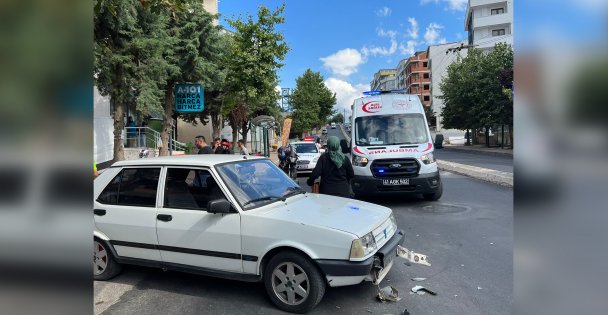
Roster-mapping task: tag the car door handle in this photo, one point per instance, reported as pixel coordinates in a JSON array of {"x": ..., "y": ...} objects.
[
  {"x": 99, "y": 212},
  {"x": 164, "y": 217}
]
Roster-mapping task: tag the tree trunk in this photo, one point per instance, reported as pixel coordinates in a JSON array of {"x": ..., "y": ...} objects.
[
  {"x": 244, "y": 131},
  {"x": 167, "y": 119},
  {"x": 216, "y": 124},
  {"x": 119, "y": 126},
  {"x": 511, "y": 136}
]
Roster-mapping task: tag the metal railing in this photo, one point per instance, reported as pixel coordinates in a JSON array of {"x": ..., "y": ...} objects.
[{"x": 146, "y": 137}]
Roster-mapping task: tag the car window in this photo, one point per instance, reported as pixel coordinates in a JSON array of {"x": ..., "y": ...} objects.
[
  {"x": 306, "y": 148},
  {"x": 190, "y": 189},
  {"x": 255, "y": 183},
  {"x": 132, "y": 187}
]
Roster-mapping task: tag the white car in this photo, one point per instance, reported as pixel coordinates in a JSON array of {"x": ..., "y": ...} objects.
[
  {"x": 308, "y": 156},
  {"x": 238, "y": 217},
  {"x": 324, "y": 131},
  {"x": 333, "y": 125}
]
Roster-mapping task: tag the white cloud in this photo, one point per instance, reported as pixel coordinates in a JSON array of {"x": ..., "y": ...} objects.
[
  {"x": 382, "y": 51},
  {"x": 343, "y": 62},
  {"x": 412, "y": 31},
  {"x": 408, "y": 49},
  {"x": 442, "y": 40},
  {"x": 345, "y": 92},
  {"x": 454, "y": 5},
  {"x": 385, "y": 11},
  {"x": 433, "y": 31}
]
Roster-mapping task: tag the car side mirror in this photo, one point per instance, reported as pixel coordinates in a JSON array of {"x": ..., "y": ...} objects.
[{"x": 219, "y": 206}]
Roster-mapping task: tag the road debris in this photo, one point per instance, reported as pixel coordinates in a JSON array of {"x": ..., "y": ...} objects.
[
  {"x": 420, "y": 290},
  {"x": 405, "y": 312},
  {"x": 412, "y": 256},
  {"x": 388, "y": 293},
  {"x": 479, "y": 288},
  {"x": 418, "y": 279},
  {"x": 369, "y": 311}
]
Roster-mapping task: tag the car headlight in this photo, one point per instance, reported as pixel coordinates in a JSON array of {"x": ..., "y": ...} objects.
[
  {"x": 394, "y": 221},
  {"x": 428, "y": 158},
  {"x": 363, "y": 246},
  {"x": 359, "y": 161}
]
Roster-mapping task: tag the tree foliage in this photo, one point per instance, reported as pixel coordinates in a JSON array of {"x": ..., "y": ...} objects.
[
  {"x": 312, "y": 102},
  {"x": 477, "y": 91},
  {"x": 255, "y": 54},
  {"x": 337, "y": 118}
]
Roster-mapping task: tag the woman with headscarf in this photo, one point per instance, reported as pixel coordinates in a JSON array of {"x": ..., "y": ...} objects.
[{"x": 335, "y": 170}]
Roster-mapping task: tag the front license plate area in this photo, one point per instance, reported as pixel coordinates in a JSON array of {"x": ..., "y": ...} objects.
[{"x": 396, "y": 182}]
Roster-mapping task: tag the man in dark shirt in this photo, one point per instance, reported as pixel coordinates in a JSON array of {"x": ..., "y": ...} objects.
[{"x": 202, "y": 146}]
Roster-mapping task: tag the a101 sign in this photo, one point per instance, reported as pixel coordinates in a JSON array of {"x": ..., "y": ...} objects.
[{"x": 189, "y": 98}]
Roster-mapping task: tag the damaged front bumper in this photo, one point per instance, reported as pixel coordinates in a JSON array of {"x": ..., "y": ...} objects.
[{"x": 375, "y": 268}]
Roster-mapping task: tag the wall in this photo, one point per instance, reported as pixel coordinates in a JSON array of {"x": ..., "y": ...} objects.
[{"x": 103, "y": 129}]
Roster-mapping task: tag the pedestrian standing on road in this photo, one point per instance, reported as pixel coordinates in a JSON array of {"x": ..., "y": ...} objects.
[
  {"x": 142, "y": 133},
  {"x": 202, "y": 146},
  {"x": 335, "y": 171},
  {"x": 318, "y": 144},
  {"x": 244, "y": 150}
]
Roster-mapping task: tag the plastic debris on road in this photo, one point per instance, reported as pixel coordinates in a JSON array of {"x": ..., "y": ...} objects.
[
  {"x": 412, "y": 256},
  {"x": 388, "y": 293},
  {"x": 420, "y": 290},
  {"x": 418, "y": 279}
]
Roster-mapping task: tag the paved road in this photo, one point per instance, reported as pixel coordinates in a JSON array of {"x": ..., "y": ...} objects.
[
  {"x": 493, "y": 162},
  {"x": 468, "y": 237}
]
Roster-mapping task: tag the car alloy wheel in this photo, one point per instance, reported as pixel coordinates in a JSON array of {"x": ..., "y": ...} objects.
[
  {"x": 290, "y": 283},
  {"x": 100, "y": 259}
]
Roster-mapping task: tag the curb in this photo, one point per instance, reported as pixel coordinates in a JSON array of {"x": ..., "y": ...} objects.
[
  {"x": 482, "y": 152},
  {"x": 485, "y": 174}
]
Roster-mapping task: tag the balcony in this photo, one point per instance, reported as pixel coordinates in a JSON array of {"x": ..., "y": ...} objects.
[{"x": 491, "y": 20}]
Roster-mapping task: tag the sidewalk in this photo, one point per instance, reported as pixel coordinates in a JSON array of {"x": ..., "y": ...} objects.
[{"x": 478, "y": 149}]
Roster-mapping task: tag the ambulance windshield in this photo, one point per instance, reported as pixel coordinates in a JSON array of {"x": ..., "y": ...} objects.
[{"x": 390, "y": 130}]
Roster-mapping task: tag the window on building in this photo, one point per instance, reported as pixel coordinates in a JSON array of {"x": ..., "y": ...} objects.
[
  {"x": 497, "y": 11},
  {"x": 426, "y": 75},
  {"x": 427, "y": 98},
  {"x": 425, "y": 64},
  {"x": 498, "y": 32},
  {"x": 132, "y": 187},
  {"x": 426, "y": 87}
]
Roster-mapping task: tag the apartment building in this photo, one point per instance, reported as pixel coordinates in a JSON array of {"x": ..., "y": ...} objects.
[
  {"x": 489, "y": 22},
  {"x": 384, "y": 80},
  {"x": 417, "y": 77},
  {"x": 439, "y": 60}
]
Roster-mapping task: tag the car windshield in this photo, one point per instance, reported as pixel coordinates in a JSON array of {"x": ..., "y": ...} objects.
[
  {"x": 390, "y": 129},
  {"x": 305, "y": 148},
  {"x": 256, "y": 183}
]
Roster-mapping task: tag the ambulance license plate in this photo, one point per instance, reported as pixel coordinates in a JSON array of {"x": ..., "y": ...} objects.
[{"x": 395, "y": 182}]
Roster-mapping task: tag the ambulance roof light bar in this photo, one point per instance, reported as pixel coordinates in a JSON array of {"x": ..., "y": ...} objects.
[{"x": 378, "y": 92}]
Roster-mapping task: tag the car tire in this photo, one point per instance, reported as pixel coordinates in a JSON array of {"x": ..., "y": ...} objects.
[
  {"x": 293, "y": 282},
  {"x": 436, "y": 195},
  {"x": 105, "y": 266}
]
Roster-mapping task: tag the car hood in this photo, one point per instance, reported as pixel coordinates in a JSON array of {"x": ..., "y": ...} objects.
[{"x": 348, "y": 215}]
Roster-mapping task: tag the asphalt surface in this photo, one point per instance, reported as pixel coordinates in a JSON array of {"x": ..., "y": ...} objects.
[
  {"x": 493, "y": 162},
  {"x": 467, "y": 234}
]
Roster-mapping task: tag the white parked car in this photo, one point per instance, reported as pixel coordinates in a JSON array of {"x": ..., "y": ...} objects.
[
  {"x": 308, "y": 156},
  {"x": 238, "y": 217}
]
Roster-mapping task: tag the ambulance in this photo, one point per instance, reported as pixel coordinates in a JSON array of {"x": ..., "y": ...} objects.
[{"x": 391, "y": 146}]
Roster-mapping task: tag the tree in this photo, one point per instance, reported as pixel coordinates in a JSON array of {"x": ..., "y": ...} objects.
[
  {"x": 255, "y": 53},
  {"x": 129, "y": 65},
  {"x": 312, "y": 101},
  {"x": 473, "y": 93},
  {"x": 337, "y": 118},
  {"x": 195, "y": 56}
]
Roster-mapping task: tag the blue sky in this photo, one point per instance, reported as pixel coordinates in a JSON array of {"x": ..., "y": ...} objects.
[{"x": 349, "y": 40}]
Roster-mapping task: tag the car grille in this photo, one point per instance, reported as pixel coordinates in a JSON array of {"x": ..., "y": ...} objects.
[
  {"x": 379, "y": 235},
  {"x": 397, "y": 188},
  {"x": 395, "y": 168}
]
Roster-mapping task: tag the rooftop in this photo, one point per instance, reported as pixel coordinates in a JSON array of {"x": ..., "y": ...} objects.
[{"x": 193, "y": 159}]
